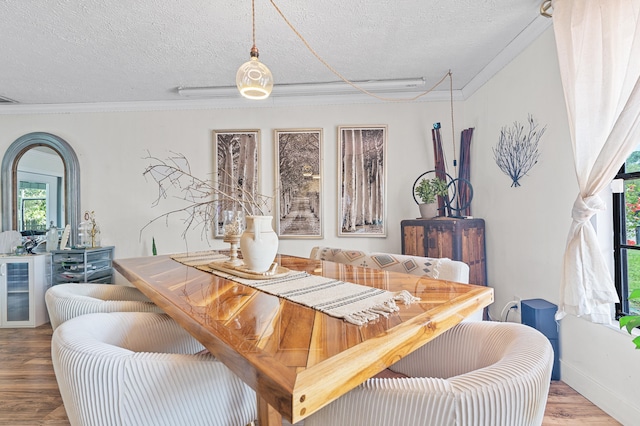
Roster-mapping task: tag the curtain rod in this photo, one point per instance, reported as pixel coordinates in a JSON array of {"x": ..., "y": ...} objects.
[{"x": 544, "y": 8}]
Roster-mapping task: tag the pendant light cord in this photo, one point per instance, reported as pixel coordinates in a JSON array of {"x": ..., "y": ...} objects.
[{"x": 253, "y": 21}]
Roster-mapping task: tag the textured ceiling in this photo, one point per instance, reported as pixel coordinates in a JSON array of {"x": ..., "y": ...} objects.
[{"x": 72, "y": 51}]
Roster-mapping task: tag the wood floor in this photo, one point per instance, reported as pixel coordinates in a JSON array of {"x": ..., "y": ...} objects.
[{"x": 29, "y": 393}]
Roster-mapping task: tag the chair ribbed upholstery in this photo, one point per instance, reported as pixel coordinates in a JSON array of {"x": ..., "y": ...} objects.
[
  {"x": 66, "y": 301},
  {"x": 441, "y": 268},
  {"x": 477, "y": 373},
  {"x": 140, "y": 368}
]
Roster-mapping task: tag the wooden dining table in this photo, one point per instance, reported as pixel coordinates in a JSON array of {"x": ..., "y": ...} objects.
[{"x": 296, "y": 358}]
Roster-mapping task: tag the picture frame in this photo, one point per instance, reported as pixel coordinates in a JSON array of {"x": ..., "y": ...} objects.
[
  {"x": 298, "y": 171},
  {"x": 362, "y": 181},
  {"x": 236, "y": 171}
]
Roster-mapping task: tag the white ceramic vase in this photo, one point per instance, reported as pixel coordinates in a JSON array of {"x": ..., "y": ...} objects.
[{"x": 259, "y": 243}]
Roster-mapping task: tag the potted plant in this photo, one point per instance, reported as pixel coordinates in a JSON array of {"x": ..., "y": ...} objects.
[{"x": 427, "y": 191}]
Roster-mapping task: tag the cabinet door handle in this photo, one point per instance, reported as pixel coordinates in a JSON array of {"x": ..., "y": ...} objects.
[{"x": 3, "y": 269}]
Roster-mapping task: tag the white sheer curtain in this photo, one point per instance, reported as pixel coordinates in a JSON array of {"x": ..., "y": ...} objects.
[{"x": 598, "y": 43}]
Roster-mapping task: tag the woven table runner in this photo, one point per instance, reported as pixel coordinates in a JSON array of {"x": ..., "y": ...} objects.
[{"x": 352, "y": 302}]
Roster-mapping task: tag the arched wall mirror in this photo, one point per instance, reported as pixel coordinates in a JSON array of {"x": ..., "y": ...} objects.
[{"x": 41, "y": 160}]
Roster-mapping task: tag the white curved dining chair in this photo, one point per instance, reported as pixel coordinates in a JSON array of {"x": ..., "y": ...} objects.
[
  {"x": 66, "y": 301},
  {"x": 141, "y": 368},
  {"x": 439, "y": 268},
  {"x": 475, "y": 374}
]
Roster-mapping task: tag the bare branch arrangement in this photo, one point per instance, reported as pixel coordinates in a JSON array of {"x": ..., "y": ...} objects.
[
  {"x": 517, "y": 152},
  {"x": 202, "y": 197}
]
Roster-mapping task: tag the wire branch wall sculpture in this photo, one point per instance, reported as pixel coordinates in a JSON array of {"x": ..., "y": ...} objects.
[{"x": 517, "y": 151}]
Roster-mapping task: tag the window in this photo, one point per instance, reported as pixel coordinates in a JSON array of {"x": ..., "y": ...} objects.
[
  {"x": 37, "y": 202},
  {"x": 626, "y": 235}
]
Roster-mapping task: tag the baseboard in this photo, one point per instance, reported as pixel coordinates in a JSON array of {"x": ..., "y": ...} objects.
[{"x": 606, "y": 399}]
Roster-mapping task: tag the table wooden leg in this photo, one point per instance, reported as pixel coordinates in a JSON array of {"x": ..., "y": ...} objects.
[{"x": 267, "y": 415}]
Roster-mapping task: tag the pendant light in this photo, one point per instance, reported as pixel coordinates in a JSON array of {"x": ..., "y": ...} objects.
[{"x": 254, "y": 80}]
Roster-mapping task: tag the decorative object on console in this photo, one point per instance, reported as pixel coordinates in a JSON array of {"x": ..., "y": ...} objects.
[
  {"x": 440, "y": 166},
  {"x": 456, "y": 202},
  {"x": 52, "y": 237},
  {"x": 89, "y": 231},
  {"x": 516, "y": 152},
  {"x": 428, "y": 189},
  {"x": 465, "y": 191},
  {"x": 65, "y": 237}
]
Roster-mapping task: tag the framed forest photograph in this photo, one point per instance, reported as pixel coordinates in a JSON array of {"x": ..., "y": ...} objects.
[
  {"x": 362, "y": 181},
  {"x": 236, "y": 159},
  {"x": 299, "y": 183}
]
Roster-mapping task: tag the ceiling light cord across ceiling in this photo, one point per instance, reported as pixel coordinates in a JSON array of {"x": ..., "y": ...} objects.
[{"x": 343, "y": 78}]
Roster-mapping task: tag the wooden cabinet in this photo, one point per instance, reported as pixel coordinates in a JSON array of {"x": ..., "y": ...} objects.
[
  {"x": 457, "y": 239},
  {"x": 86, "y": 265},
  {"x": 23, "y": 282}
]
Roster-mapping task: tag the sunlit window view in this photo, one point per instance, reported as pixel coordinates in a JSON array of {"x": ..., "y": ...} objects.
[
  {"x": 627, "y": 234},
  {"x": 39, "y": 192},
  {"x": 32, "y": 206}
]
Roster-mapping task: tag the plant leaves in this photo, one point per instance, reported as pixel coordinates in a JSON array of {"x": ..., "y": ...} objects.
[{"x": 629, "y": 322}]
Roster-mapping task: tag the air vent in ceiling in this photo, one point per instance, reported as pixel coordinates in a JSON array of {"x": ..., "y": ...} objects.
[{"x": 4, "y": 100}]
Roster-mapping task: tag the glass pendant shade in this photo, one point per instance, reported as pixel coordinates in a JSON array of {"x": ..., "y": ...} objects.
[{"x": 254, "y": 80}]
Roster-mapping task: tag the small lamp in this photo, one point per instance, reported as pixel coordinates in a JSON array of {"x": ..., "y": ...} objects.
[{"x": 254, "y": 80}]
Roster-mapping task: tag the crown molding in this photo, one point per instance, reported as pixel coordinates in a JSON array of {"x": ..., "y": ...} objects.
[
  {"x": 228, "y": 103},
  {"x": 527, "y": 36}
]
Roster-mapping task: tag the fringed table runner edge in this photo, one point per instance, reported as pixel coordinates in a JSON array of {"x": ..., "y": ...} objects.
[{"x": 354, "y": 303}]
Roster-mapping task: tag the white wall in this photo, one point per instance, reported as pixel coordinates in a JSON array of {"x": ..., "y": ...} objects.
[
  {"x": 527, "y": 226},
  {"x": 111, "y": 146}
]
